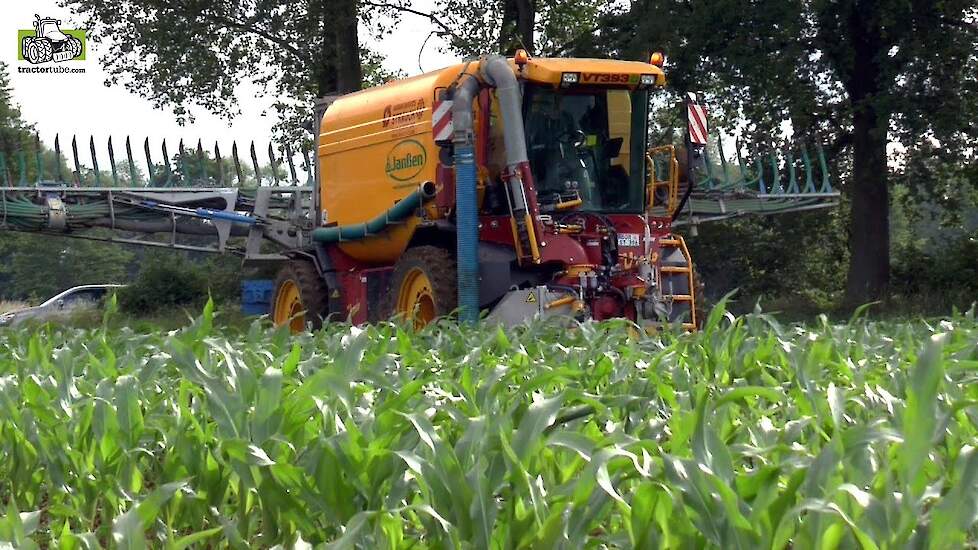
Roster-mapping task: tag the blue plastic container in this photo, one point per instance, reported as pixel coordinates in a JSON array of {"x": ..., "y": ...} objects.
[{"x": 256, "y": 296}]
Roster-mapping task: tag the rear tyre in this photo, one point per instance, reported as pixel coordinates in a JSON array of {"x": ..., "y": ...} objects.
[
  {"x": 75, "y": 45},
  {"x": 301, "y": 297},
  {"x": 424, "y": 285}
]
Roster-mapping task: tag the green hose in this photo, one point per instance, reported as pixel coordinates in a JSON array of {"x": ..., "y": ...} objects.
[
  {"x": 404, "y": 209},
  {"x": 24, "y": 215}
]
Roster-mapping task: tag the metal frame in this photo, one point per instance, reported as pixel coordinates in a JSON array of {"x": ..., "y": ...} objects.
[{"x": 183, "y": 211}]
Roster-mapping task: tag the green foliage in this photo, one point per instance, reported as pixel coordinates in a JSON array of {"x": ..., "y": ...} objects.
[
  {"x": 749, "y": 254},
  {"x": 734, "y": 49},
  {"x": 749, "y": 434},
  {"x": 12, "y": 125},
  {"x": 170, "y": 279},
  {"x": 543, "y": 27},
  {"x": 37, "y": 267},
  {"x": 938, "y": 275}
]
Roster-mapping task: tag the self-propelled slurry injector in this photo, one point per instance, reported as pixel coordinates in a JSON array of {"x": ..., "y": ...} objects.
[{"x": 519, "y": 187}]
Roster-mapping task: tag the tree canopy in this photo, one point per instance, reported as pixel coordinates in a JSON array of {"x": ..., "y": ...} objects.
[{"x": 863, "y": 75}]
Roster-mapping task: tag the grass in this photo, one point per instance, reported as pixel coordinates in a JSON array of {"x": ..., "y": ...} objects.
[
  {"x": 6, "y": 306},
  {"x": 748, "y": 434}
]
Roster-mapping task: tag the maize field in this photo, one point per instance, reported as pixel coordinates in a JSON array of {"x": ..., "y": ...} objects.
[{"x": 747, "y": 434}]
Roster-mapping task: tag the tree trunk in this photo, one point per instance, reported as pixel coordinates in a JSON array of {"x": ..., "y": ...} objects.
[
  {"x": 349, "y": 74},
  {"x": 869, "y": 225},
  {"x": 519, "y": 18},
  {"x": 324, "y": 51},
  {"x": 869, "y": 243}
]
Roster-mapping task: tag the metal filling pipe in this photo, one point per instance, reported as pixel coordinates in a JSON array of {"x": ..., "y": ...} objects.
[{"x": 497, "y": 72}]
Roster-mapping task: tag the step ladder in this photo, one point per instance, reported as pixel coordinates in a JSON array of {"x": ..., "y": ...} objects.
[{"x": 676, "y": 281}]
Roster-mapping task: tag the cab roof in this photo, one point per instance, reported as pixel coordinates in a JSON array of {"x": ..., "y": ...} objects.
[{"x": 593, "y": 71}]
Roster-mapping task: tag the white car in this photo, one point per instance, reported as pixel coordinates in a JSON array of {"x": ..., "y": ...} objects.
[{"x": 70, "y": 301}]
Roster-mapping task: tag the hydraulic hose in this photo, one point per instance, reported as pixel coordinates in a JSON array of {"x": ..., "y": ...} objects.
[
  {"x": 683, "y": 201},
  {"x": 401, "y": 211}
]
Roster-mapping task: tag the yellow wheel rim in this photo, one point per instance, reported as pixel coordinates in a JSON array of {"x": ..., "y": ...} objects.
[
  {"x": 415, "y": 300},
  {"x": 288, "y": 307}
]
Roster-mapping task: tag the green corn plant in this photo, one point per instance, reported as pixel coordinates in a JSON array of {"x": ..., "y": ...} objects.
[{"x": 747, "y": 434}]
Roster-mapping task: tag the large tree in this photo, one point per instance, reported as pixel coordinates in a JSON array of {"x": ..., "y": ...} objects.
[
  {"x": 477, "y": 27},
  {"x": 861, "y": 74}
]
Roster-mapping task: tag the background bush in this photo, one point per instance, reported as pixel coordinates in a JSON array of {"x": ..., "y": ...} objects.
[{"x": 169, "y": 279}]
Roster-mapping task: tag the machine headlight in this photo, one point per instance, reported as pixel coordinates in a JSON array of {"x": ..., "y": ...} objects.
[
  {"x": 569, "y": 78},
  {"x": 648, "y": 79}
]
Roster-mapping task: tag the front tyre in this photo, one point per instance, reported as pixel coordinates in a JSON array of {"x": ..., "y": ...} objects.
[
  {"x": 25, "y": 45},
  {"x": 41, "y": 50},
  {"x": 301, "y": 297},
  {"x": 424, "y": 285}
]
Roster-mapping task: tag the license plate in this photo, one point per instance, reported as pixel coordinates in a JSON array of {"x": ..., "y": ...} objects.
[{"x": 627, "y": 239}]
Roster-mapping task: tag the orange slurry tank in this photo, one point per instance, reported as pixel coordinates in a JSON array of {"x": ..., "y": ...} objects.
[{"x": 375, "y": 148}]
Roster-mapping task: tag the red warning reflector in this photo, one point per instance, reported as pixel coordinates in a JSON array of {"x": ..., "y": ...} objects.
[
  {"x": 699, "y": 130},
  {"x": 441, "y": 121}
]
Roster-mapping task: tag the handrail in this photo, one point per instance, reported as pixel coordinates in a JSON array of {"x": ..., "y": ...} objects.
[{"x": 671, "y": 181}]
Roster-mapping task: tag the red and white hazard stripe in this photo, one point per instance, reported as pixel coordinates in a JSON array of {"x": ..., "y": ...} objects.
[
  {"x": 699, "y": 130},
  {"x": 441, "y": 120}
]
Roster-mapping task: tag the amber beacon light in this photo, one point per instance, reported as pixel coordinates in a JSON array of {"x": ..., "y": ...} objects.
[
  {"x": 521, "y": 57},
  {"x": 657, "y": 59}
]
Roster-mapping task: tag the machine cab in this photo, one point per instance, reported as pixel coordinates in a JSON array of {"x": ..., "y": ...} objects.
[
  {"x": 586, "y": 128},
  {"x": 586, "y": 147}
]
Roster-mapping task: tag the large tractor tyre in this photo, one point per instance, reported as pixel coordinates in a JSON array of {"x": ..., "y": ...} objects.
[
  {"x": 25, "y": 44},
  {"x": 424, "y": 285},
  {"x": 75, "y": 45},
  {"x": 43, "y": 50},
  {"x": 301, "y": 297}
]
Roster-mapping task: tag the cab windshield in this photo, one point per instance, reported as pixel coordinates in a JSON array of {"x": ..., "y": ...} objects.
[{"x": 589, "y": 145}]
